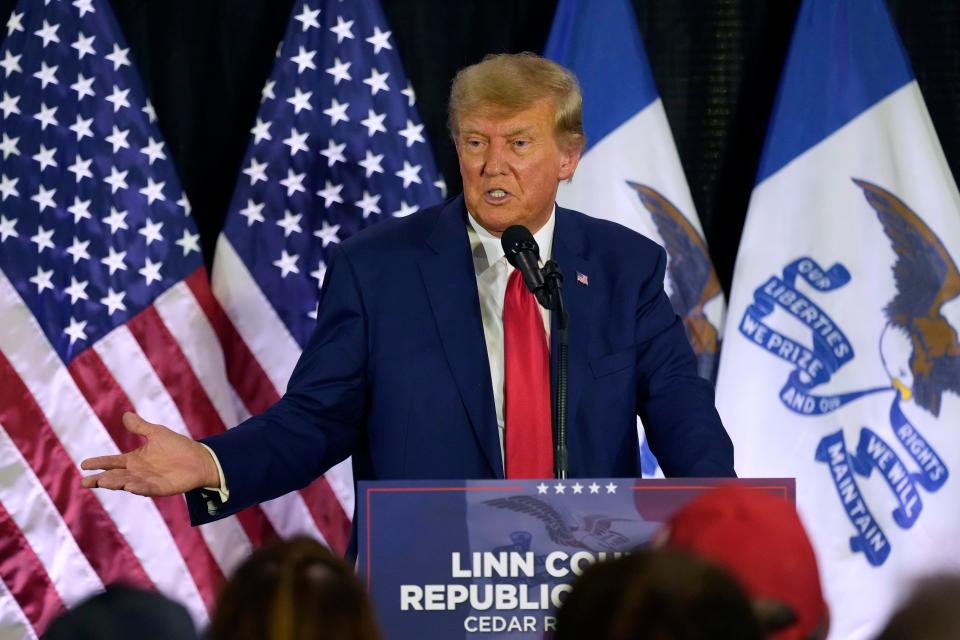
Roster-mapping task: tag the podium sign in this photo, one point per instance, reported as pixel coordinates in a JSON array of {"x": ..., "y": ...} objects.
[{"x": 494, "y": 558}]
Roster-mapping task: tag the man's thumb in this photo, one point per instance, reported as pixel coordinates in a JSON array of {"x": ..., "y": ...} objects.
[{"x": 136, "y": 424}]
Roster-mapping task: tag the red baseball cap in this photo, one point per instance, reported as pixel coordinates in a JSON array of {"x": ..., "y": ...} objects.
[{"x": 758, "y": 538}]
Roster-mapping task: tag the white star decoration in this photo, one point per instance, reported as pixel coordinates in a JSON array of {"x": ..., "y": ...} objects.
[
  {"x": 46, "y": 75},
  {"x": 330, "y": 194},
  {"x": 9, "y": 146},
  {"x": 300, "y": 100},
  {"x": 304, "y": 60},
  {"x": 261, "y": 131},
  {"x": 190, "y": 242},
  {"x": 290, "y": 223},
  {"x": 118, "y": 99},
  {"x": 9, "y": 106},
  {"x": 84, "y": 45},
  {"x": 412, "y": 133},
  {"x": 81, "y": 168},
  {"x": 340, "y": 71},
  {"x": 119, "y": 57},
  {"x": 48, "y": 33},
  {"x": 78, "y": 250},
  {"x": 328, "y": 233},
  {"x": 409, "y": 174},
  {"x": 43, "y": 239},
  {"x": 287, "y": 264},
  {"x": 296, "y": 141},
  {"x": 8, "y": 228},
  {"x": 113, "y": 301},
  {"x": 369, "y": 204},
  {"x": 153, "y": 191},
  {"x": 80, "y": 209},
  {"x": 151, "y": 271},
  {"x": 256, "y": 171},
  {"x": 76, "y": 330},
  {"x": 83, "y": 86},
  {"x": 115, "y": 260},
  {"x": 308, "y": 18},
  {"x": 379, "y": 40},
  {"x": 374, "y": 122},
  {"x": 337, "y": 112},
  {"x": 334, "y": 153},
  {"x": 252, "y": 212},
  {"x": 151, "y": 231},
  {"x": 10, "y": 63},
  {"x": 42, "y": 280},
  {"x": 405, "y": 210},
  {"x": 44, "y": 198},
  {"x": 153, "y": 151},
  {"x": 77, "y": 290},
  {"x": 377, "y": 81},
  {"x": 343, "y": 29},
  {"x": 372, "y": 163},
  {"x": 116, "y": 220},
  {"x": 293, "y": 182}
]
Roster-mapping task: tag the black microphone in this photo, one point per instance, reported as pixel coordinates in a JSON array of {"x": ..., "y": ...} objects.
[{"x": 524, "y": 254}]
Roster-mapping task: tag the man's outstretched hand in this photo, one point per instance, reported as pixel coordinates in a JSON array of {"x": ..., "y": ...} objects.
[{"x": 167, "y": 463}]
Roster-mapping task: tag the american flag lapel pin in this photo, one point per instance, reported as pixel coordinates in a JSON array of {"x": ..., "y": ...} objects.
[{"x": 583, "y": 279}]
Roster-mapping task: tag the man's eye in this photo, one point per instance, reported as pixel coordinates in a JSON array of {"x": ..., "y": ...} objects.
[{"x": 520, "y": 144}]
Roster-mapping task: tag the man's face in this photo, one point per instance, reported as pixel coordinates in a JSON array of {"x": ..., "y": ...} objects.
[{"x": 511, "y": 165}]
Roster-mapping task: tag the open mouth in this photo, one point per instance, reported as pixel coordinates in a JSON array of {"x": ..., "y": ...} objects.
[{"x": 496, "y": 195}]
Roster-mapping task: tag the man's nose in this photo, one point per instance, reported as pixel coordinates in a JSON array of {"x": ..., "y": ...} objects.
[{"x": 495, "y": 162}]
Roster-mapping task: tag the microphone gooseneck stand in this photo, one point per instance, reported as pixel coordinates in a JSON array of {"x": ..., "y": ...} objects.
[
  {"x": 554, "y": 281},
  {"x": 545, "y": 283}
]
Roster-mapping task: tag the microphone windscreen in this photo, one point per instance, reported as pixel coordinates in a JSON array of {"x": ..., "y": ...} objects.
[{"x": 515, "y": 239}]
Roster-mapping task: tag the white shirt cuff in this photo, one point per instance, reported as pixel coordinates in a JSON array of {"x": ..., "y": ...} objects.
[{"x": 222, "y": 490}]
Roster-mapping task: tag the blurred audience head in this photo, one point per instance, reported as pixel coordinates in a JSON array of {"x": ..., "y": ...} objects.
[
  {"x": 122, "y": 612},
  {"x": 760, "y": 540},
  {"x": 931, "y": 612},
  {"x": 656, "y": 595},
  {"x": 293, "y": 590}
]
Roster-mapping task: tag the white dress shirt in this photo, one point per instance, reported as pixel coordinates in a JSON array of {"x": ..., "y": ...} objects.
[{"x": 493, "y": 272}]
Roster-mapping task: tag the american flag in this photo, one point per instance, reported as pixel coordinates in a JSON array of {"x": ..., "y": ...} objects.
[
  {"x": 104, "y": 307},
  {"x": 337, "y": 145}
]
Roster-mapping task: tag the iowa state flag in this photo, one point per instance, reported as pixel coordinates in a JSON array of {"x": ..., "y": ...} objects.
[
  {"x": 841, "y": 364},
  {"x": 630, "y": 172}
]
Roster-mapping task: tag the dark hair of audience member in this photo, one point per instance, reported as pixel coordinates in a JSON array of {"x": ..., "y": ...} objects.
[
  {"x": 293, "y": 590},
  {"x": 122, "y": 612},
  {"x": 931, "y": 612},
  {"x": 656, "y": 595}
]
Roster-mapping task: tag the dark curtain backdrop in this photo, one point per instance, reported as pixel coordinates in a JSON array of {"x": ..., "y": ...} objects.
[{"x": 716, "y": 63}]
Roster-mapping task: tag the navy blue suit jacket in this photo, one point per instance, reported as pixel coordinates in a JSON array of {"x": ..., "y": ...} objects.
[{"x": 397, "y": 375}]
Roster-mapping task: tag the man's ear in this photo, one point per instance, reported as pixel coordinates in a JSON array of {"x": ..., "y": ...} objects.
[{"x": 569, "y": 159}]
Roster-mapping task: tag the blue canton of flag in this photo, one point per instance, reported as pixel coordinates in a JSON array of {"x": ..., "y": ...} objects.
[
  {"x": 337, "y": 146},
  {"x": 94, "y": 225}
]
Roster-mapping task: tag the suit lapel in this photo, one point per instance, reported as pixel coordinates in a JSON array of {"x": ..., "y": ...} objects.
[
  {"x": 568, "y": 253},
  {"x": 451, "y": 282}
]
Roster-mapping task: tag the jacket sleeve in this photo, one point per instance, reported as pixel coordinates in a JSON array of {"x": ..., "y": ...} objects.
[
  {"x": 675, "y": 404},
  {"x": 318, "y": 421}
]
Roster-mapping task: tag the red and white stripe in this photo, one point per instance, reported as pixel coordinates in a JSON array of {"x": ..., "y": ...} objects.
[
  {"x": 59, "y": 542},
  {"x": 260, "y": 357}
]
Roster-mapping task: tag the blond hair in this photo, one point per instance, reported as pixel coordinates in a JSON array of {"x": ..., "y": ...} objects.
[{"x": 514, "y": 82}]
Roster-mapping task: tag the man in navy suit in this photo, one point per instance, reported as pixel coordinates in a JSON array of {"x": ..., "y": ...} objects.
[{"x": 405, "y": 371}]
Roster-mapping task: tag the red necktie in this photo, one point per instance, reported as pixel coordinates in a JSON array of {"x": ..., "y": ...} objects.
[{"x": 529, "y": 435}]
